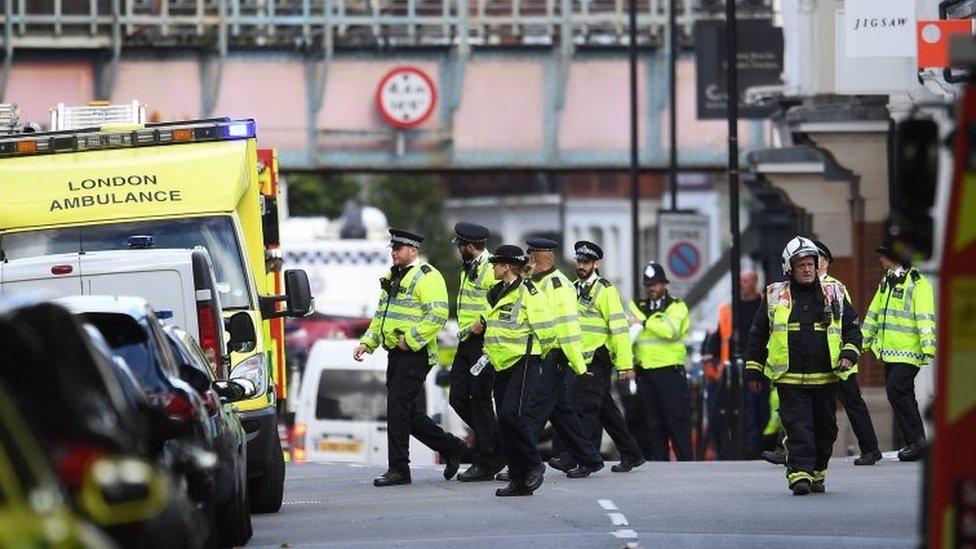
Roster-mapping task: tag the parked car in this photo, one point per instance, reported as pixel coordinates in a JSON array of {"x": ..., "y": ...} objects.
[
  {"x": 232, "y": 517},
  {"x": 90, "y": 435}
]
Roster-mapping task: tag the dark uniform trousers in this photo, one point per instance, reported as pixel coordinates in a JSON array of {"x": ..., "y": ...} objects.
[
  {"x": 666, "y": 403},
  {"x": 405, "y": 375},
  {"x": 809, "y": 417},
  {"x": 598, "y": 411},
  {"x": 550, "y": 401},
  {"x": 515, "y": 434},
  {"x": 849, "y": 395},
  {"x": 471, "y": 399},
  {"x": 900, "y": 386}
]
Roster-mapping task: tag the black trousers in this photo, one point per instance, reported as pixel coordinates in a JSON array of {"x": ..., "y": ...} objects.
[
  {"x": 809, "y": 417},
  {"x": 900, "y": 386},
  {"x": 551, "y": 400},
  {"x": 471, "y": 398},
  {"x": 666, "y": 404},
  {"x": 405, "y": 375},
  {"x": 516, "y": 437},
  {"x": 849, "y": 394},
  {"x": 598, "y": 411}
]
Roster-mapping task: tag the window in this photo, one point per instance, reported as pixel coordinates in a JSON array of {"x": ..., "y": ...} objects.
[{"x": 352, "y": 395}]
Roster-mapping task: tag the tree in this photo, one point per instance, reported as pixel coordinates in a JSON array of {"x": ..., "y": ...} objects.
[{"x": 315, "y": 194}]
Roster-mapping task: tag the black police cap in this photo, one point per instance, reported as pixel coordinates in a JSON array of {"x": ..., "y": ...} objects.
[
  {"x": 587, "y": 251},
  {"x": 507, "y": 253},
  {"x": 470, "y": 232},
  {"x": 824, "y": 250},
  {"x": 538, "y": 244},
  {"x": 405, "y": 238},
  {"x": 654, "y": 273}
]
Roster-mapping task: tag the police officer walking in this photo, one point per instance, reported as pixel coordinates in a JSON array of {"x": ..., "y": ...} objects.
[
  {"x": 899, "y": 329},
  {"x": 660, "y": 352},
  {"x": 551, "y": 399},
  {"x": 606, "y": 346},
  {"x": 805, "y": 338},
  {"x": 411, "y": 311},
  {"x": 517, "y": 330},
  {"x": 471, "y": 395}
]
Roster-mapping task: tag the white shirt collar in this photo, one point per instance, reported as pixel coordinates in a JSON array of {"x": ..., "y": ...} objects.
[
  {"x": 592, "y": 278},
  {"x": 413, "y": 263},
  {"x": 900, "y": 270},
  {"x": 481, "y": 256}
]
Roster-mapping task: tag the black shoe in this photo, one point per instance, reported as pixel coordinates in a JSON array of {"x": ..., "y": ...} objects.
[
  {"x": 626, "y": 466},
  {"x": 869, "y": 458},
  {"x": 534, "y": 479},
  {"x": 503, "y": 476},
  {"x": 514, "y": 488},
  {"x": 583, "y": 471},
  {"x": 452, "y": 465},
  {"x": 801, "y": 487},
  {"x": 912, "y": 452},
  {"x": 818, "y": 487},
  {"x": 391, "y": 478},
  {"x": 477, "y": 473},
  {"x": 561, "y": 464},
  {"x": 776, "y": 457}
]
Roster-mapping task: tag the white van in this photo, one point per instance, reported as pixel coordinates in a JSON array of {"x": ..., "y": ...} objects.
[{"x": 341, "y": 414}]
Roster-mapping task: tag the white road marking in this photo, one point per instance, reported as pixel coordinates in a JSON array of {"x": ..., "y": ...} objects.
[
  {"x": 618, "y": 519},
  {"x": 607, "y": 504},
  {"x": 624, "y": 534}
]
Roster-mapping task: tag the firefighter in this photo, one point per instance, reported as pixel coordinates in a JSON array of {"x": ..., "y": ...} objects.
[
  {"x": 805, "y": 338},
  {"x": 899, "y": 329},
  {"x": 848, "y": 391},
  {"x": 660, "y": 353},
  {"x": 411, "y": 311},
  {"x": 551, "y": 399},
  {"x": 518, "y": 329},
  {"x": 470, "y": 395},
  {"x": 606, "y": 346}
]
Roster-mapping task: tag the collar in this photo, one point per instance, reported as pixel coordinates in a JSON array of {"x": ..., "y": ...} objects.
[
  {"x": 481, "y": 257},
  {"x": 589, "y": 280},
  {"x": 899, "y": 271},
  {"x": 540, "y": 276}
]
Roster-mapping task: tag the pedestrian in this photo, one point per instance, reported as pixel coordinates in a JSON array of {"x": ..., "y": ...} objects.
[
  {"x": 517, "y": 329},
  {"x": 848, "y": 391},
  {"x": 471, "y": 396},
  {"x": 606, "y": 347},
  {"x": 660, "y": 352},
  {"x": 899, "y": 329},
  {"x": 551, "y": 399},
  {"x": 412, "y": 310},
  {"x": 805, "y": 338}
]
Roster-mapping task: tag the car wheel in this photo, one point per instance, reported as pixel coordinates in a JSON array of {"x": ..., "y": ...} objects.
[
  {"x": 267, "y": 490},
  {"x": 234, "y": 520}
]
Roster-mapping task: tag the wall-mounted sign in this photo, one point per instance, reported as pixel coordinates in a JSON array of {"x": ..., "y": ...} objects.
[
  {"x": 879, "y": 29},
  {"x": 406, "y": 97}
]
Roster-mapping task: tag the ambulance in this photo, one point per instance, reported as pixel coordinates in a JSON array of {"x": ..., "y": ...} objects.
[{"x": 102, "y": 176}]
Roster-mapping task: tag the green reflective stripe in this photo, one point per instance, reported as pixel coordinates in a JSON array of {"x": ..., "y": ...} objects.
[
  {"x": 402, "y": 316},
  {"x": 471, "y": 306},
  {"x": 820, "y": 378},
  {"x": 851, "y": 347},
  {"x": 593, "y": 329},
  {"x": 897, "y": 328},
  {"x": 753, "y": 365}
]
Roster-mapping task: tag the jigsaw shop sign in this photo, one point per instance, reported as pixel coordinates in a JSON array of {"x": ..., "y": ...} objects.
[
  {"x": 879, "y": 29},
  {"x": 113, "y": 190}
]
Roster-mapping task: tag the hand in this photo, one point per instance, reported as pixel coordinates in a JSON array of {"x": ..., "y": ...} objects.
[
  {"x": 402, "y": 343},
  {"x": 626, "y": 375},
  {"x": 633, "y": 320},
  {"x": 360, "y": 351},
  {"x": 845, "y": 364},
  {"x": 586, "y": 375},
  {"x": 478, "y": 327},
  {"x": 753, "y": 379}
]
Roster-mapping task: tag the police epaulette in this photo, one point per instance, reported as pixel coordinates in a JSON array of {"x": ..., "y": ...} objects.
[
  {"x": 556, "y": 283},
  {"x": 531, "y": 287},
  {"x": 425, "y": 268},
  {"x": 915, "y": 275},
  {"x": 606, "y": 283}
]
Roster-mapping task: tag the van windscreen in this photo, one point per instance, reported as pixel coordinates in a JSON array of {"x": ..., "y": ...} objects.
[
  {"x": 351, "y": 395},
  {"x": 216, "y": 234}
]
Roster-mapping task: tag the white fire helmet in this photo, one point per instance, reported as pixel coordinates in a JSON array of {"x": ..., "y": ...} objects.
[{"x": 798, "y": 248}]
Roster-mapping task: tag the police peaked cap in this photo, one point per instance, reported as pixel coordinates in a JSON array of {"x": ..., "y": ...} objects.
[
  {"x": 824, "y": 250},
  {"x": 507, "y": 253},
  {"x": 654, "y": 273},
  {"x": 469, "y": 232},
  {"x": 406, "y": 238},
  {"x": 538, "y": 244},
  {"x": 587, "y": 251}
]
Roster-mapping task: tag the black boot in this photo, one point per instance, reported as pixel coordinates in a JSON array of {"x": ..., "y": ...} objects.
[
  {"x": 801, "y": 487},
  {"x": 476, "y": 473},
  {"x": 514, "y": 488},
  {"x": 534, "y": 479},
  {"x": 452, "y": 465},
  {"x": 776, "y": 457},
  {"x": 561, "y": 464},
  {"x": 626, "y": 466},
  {"x": 818, "y": 487},
  {"x": 583, "y": 471},
  {"x": 391, "y": 478},
  {"x": 868, "y": 458},
  {"x": 912, "y": 452}
]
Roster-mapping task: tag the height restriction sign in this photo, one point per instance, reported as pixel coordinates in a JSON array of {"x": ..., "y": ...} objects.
[
  {"x": 683, "y": 248},
  {"x": 406, "y": 97}
]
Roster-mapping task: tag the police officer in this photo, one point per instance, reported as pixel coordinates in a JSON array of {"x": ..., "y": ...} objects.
[
  {"x": 848, "y": 392},
  {"x": 899, "y": 329},
  {"x": 660, "y": 353},
  {"x": 606, "y": 346},
  {"x": 805, "y": 338},
  {"x": 471, "y": 395},
  {"x": 551, "y": 399},
  {"x": 411, "y": 311},
  {"x": 517, "y": 329}
]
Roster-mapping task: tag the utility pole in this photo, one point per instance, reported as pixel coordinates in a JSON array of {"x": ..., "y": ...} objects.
[
  {"x": 731, "y": 46},
  {"x": 634, "y": 150},
  {"x": 673, "y": 102}
]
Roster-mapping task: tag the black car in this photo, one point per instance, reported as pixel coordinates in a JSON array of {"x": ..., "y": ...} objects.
[
  {"x": 95, "y": 441},
  {"x": 232, "y": 517}
]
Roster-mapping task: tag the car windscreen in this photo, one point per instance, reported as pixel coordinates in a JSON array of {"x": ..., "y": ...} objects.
[
  {"x": 216, "y": 234},
  {"x": 352, "y": 395},
  {"x": 129, "y": 340}
]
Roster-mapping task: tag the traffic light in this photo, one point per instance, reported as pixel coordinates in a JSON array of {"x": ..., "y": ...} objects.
[{"x": 914, "y": 181}]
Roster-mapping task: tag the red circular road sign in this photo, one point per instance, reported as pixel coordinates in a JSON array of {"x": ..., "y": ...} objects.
[
  {"x": 406, "y": 97},
  {"x": 684, "y": 259}
]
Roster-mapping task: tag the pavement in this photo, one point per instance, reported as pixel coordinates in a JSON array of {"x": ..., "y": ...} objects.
[{"x": 673, "y": 505}]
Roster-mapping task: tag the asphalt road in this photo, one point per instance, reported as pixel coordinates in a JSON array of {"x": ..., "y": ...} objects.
[{"x": 673, "y": 505}]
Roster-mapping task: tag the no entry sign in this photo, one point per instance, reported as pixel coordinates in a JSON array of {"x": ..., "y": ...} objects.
[
  {"x": 406, "y": 97},
  {"x": 683, "y": 244}
]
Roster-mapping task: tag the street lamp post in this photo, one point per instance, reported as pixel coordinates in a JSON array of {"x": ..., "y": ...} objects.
[
  {"x": 731, "y": 46},
  {"x": 634, "y": 169}
]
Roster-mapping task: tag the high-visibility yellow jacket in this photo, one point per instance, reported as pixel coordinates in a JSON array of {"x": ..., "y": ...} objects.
[
  {"x": 414, "y": 305},
  {"x": 603, "y": 322},
  {"x": 520, "y": 311},
  {"x": 661, "y": 342},
  {"x": 472, "y": 298},
  {"x": 847, "y": 296},
  {"x": 561, "y": 296},
  {"x": 900, "y": 323}
]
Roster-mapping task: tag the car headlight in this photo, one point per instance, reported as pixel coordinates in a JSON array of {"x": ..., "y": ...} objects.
[{"x": 253, "y": 370}]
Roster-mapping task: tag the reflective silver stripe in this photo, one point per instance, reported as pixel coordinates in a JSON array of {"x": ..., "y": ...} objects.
[
  {"x": 542, "y": 325},
  {"x": 433, "y": 304},
  {"x": 396, "y": 315},
  {"x": 471, "y": 306},
  {"x": 415, "y": 334},
  {"x": 778, "y": 328},
  {"x": 833, "y": 331},
  {"x": 436, "y": 318},
  {"x": 593, "y": 329},
  {"x": 925, "y": 316},
  {"x": 590, "y": 313},
  {"x": 618, "y": 316},
  {"x": 908, "y": 315},
  {"x": 403, "y": 302},
  {"x": 898, "y": 328},
  {"x": 476, "y": 293},
  {"x": 927, "y": 342},
  {"x": 569, "y": 340},
  {"x": 566, "y": 318},
  {"x": 778, "y": 368},
  {"x": 909, "y": 294},
  {"x": 926, "y": 330},
  {"x": 418, "y": 274},
  {"x": 619, "y": 330},
  {"x": 506, "y": 340},
  {"x": 871, "y": 315}
]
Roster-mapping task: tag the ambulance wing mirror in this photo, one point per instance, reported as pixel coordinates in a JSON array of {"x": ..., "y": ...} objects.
[{"x": 297, "y": 298}]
